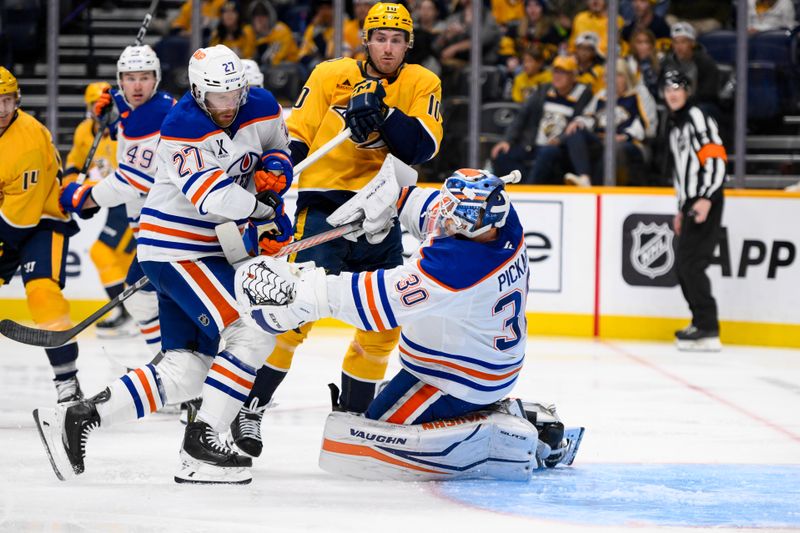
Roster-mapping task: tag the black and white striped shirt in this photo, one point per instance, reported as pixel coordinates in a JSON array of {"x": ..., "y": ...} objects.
[{"x": 698, "y": 155}]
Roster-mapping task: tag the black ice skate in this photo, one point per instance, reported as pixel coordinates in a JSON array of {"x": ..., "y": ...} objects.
[
  {"x": 189, "y": 410},
  {"x": 246, "y": 428},
  {"x": 119, "y": 324},
  {"x": 68, "y": 390},
  {"x": 692, "y": 339},
  {"x": 64, "y": 432},
  {"x": 206, "y": 459}
]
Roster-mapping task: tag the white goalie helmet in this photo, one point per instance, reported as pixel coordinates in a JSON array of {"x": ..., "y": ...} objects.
[
  {"x": 216, "y": 69},
  {"x": 139, "y": 59},
  {"x": 255, "y": 78}
]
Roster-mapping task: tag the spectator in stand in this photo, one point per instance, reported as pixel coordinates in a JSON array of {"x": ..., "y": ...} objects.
[
  {"x": 703, "y": 15},
  {"x": 454, "y": 43},
  {"x": 644, "y": 60},
  {"x": 317, "y": 45},
  {"x": 591, "y": 70},
  {"x": 428, "y": 25},
  {"x": 532, "y": 76},
  {"x": 594, "y": 19},
  {"x": 690, "y": 58},
  {"x": 209, "y": 12},
  {"x": 275, "y": 43},
  {"x": 626, "y": 10},
  {"x": 352, "y": 28},
  {"x": 585, "y": 135},
  {"x": 763, "y": 15},
  {"x": 532, "y": 142},
  {"x": 508, "y": 12},
  {"x": 646, "y": 19},
  {"x": 233, "y": 32},
  {"x": 539, "y": 28}
]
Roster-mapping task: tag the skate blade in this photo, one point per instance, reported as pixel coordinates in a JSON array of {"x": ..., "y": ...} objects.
[
  {"x": 702, "y": 345},
  {"x": 235, "y": 447},
  {"x": 197, "y": 472},
  {"x": 47, "y": 423},
  {"x": 574, "y": 436}
]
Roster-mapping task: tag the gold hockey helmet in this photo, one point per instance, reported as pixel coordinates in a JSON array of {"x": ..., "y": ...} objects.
[
  {"x": 94, "y": 90},
  {"x": 8, "y": 83},
  {"x": 389, "y": 16}
]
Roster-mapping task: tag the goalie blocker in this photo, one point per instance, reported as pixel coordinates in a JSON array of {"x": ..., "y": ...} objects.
[{"x": 501, "y": 443}]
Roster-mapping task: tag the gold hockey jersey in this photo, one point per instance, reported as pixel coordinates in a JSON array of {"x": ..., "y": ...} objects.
[
  {"x": 318, "y": 116},
  {"x": 105, "y": 158},
  {"x": 29, "y": 176}
]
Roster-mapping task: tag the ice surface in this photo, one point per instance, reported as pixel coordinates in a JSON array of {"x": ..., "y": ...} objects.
[{"x": 674, "y": 442}]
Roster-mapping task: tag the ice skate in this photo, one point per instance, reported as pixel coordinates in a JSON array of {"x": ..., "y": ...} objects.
[
  {"x": 205, "y": 459},
  {"x": 118, "y": 325},
  {"x": 69, "y": 390},
  {"x": 692, "y": 339},
  {"x": 189, "y": 410},
  {"x": 64, "y": 432},
  {"x": 246, "y": 429}
]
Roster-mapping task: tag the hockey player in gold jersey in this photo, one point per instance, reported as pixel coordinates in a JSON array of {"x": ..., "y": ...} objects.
[
  {"x": 390, "y": 107},
  {"x": 115, "y": 247},
  {"x": 34, "y": 232}
]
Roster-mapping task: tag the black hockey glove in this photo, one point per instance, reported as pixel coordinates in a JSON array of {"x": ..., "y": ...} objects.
[{"x": 366, "y": 110}]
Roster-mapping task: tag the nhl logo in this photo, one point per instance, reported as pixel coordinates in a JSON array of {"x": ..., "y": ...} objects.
[
  {"x": 204, "y": 320},
  {"x": 651, "y": 253}
]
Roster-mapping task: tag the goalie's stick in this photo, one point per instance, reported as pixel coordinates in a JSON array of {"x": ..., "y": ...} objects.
[{"x": 50, "y": 339}]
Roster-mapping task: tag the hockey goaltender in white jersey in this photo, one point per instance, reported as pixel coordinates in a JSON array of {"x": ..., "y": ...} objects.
[{"x": 461, "y": 303}]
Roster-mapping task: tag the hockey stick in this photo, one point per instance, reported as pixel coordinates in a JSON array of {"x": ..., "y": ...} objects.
[
  {"x": 101, "y": 128},
  {"x": 145, "y": 23},
  {"x": 52, "y": 339}
]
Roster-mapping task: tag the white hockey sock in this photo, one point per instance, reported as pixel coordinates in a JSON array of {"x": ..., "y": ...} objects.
[
  {"x": 134, "y": 395},
  {"x": 225, "y": 389}
]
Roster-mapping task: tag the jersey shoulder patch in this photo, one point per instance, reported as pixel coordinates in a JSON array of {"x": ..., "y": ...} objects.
[
  {"x": 187, "y": 122},
  {"x": 475, "y": 261}
]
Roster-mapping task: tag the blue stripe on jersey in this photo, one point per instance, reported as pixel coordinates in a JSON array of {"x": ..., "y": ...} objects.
[
  {"x": 135, "y": 395},
  {"x": 137, "y": 173},
  {"x": 463, "y": 358},
  {"x": 178, "y": 245},
  {"x": 357, "y": 301},
  {"x": 455, "y": 378},
  {"x": 387, "y": 308},
  {"x": 157, "y": 381},
  {"x": 193, "y": 178},
  {"x": 120, "y": 178},
  {"x": 175, "y": 218},
  {"x": 222, "y": 184},
  {"x": 425, "y": 208},
  {"x": 241, "y": 365},
  {"x": 224, "y": 388}
]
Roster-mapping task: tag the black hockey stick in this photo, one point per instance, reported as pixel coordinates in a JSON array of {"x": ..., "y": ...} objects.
[
  {"x": 101, "y": 128},
  {"x": 145, "y": 23},
  {"x": 51, "y": 339}
]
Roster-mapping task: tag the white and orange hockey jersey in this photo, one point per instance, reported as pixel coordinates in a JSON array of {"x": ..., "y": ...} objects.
[
  {"x": 137, "y": 134},
  {"x": 204, "y": 176},
  {"x": 461, "y": 305}
]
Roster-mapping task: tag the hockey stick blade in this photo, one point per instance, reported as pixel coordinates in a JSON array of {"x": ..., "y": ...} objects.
[{"x": 51, "y": 339}]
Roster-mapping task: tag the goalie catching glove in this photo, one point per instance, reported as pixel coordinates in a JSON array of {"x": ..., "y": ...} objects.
[
  {"x": 277, "y": 172},
  {"x": 280, "y": 296},
  {"x": 366, "y": 110}
]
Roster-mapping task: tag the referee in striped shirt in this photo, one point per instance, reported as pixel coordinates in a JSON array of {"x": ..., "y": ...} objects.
[{"x": 699, "y": 173}]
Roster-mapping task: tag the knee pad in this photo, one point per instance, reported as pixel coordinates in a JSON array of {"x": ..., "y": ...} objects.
[
  {"x": 368, "y": 354},
  {"x": 112, "y": 266},
  {"x": 248, "y": 343},
  {"x": 479, "y": 445},
  {"x": 182, "y": 373},
  {"x": 285, "y": 345},
  {"x": 48, "y": 307}
]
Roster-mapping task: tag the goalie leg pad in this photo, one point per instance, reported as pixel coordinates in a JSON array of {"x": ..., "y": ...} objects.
[{"x": 479, "y": 445}]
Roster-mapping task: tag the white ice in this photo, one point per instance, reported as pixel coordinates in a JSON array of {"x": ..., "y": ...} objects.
[{"x": 642, "y": 404}]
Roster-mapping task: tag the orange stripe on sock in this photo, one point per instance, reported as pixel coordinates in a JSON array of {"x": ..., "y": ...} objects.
[
  {"x": 365, "y": 451},
  {"x": 147, "y": 390},
  {"x": 376, "y": 316},
  {"x": 153, "y": 329},
  {"x": 412, "y": 404},
  {"x": 231, "y": 376}
]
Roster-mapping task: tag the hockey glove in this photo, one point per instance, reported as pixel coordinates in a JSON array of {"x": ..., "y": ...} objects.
[
  {"x": 73, "y": 197},
  {"x": 272, "y": 233},
  {"x": 277, "y": 172},
  {"x": 105, "y": 105},
  {"x": 366, "y": 110}
]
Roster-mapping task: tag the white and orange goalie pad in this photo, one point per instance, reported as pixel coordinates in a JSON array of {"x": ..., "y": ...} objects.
[{"x": 479, "y": 445}]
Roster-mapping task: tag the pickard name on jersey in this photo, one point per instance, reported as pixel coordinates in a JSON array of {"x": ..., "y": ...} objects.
[{"x": 204, "y": 176}]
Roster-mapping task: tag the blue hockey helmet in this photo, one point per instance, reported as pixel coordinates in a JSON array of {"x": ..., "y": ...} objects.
[{"x": 473, "y": 201}]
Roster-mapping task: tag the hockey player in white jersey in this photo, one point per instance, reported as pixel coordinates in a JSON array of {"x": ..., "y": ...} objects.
[
  {"x": 461, "y": 304},
  {"x": 137, "y": 110},
  {"x": 212, "y": 143}
]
